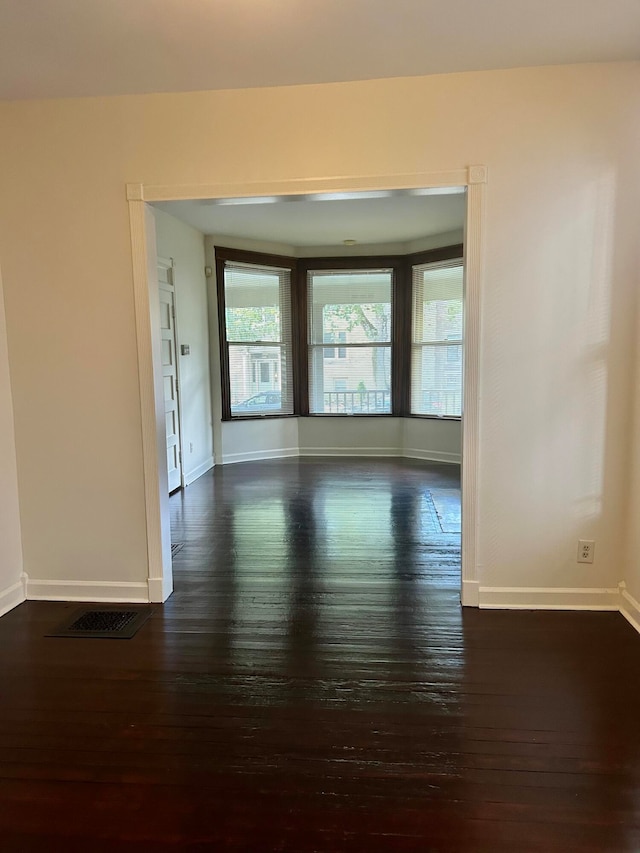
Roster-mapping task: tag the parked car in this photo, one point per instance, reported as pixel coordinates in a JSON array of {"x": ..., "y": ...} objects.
[{"x": 269, "y": 401}]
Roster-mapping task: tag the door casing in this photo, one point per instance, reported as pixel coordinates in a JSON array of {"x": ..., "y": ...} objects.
[{"x": 145, "y": 283}]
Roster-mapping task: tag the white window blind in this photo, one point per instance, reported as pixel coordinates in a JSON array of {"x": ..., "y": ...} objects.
[
  {"x": 351, "y": 308},
  {"x": 436, "y": 347},
  {"x": 258, "y": 339}
]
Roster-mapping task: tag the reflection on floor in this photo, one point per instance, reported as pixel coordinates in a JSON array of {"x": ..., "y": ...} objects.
[
  {"x": 301, "y": 567},
  {"x": 446, "y": 503}
]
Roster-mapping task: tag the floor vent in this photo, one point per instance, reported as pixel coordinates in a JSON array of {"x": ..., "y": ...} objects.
[
  {"x": 102, "y": 624},
  {"x": 175, "y": 547}
]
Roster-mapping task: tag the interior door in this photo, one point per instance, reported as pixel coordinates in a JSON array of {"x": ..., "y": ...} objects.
[{"x": 170, "y": 371}]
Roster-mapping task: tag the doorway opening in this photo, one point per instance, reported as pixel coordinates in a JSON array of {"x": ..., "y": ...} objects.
[{"x": 158, "y": 528}]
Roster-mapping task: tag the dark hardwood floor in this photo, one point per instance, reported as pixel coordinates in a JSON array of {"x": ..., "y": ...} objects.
[{"x": 314, "y": 685}]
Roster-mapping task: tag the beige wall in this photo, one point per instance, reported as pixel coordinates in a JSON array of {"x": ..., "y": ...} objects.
[
  {"x": 557, "y": 308},
  {"x": 11, "y": 590}
]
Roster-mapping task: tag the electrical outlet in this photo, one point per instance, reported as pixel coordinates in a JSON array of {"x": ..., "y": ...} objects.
[{"x": 586, "y": 547}]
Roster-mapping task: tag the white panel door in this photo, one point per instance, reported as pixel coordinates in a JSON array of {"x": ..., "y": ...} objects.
[{"x": 170, "y": 372}]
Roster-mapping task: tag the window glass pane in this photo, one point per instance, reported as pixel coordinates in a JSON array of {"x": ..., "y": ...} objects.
[
  {"x": 362, "y": 386},
  {"x": 252, "y": 303},
  {"x": 437, "y": 303},
  {"x": 440, "y": 388},
  {"x": 255, "y": 380},
  {"x": 351, "y": 308},
  {"x": 437, "y": 324},
  {"x": 258, "y": 333}
]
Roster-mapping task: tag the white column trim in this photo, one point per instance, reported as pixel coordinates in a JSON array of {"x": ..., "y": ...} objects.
[
  {"x": 473, "y": 248},
  {"x": 300, "y": 186},
  {"x": 158, "y": 561}
]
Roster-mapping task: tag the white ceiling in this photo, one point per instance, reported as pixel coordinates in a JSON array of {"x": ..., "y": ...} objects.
[
  {"x": 300, "y": 221},
  {"x": 67, "y": 48}
]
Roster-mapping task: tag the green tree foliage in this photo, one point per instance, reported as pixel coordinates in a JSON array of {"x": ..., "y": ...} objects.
[
  {"x": 253, "y": 324},
  {"x": 373, "y": 320}
]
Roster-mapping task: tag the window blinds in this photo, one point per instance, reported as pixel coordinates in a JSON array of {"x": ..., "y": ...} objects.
[
  {"x": 258, "y": 339},
  {"x": 352, "y": 308},
  {"x": 436, "y": 346}
]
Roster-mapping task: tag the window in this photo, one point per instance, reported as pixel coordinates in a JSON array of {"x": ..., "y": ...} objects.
[
  {"x": 375, "y": 335},
  {"x": 436, "y": 348},
  {"x": 257, "y": 339},
  {"x": 338, "y": 338},
  {"x": 351, "y": 307}
]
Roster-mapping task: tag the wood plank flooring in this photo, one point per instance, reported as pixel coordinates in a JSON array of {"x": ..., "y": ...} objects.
[{"x": 314, "y": 685}]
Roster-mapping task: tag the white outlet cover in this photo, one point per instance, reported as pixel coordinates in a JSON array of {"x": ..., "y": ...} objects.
[{"x": 586, "y": 548}]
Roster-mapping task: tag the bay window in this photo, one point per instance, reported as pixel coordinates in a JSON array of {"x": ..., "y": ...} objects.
[{"x": 368, "y": 336}]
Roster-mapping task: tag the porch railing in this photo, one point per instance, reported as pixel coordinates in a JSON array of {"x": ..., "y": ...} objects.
[
  {"x": 436, "y": 401},
  {"x": 357, "y": 402}
]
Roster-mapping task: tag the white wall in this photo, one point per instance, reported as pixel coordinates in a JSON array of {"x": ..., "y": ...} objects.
[
  {"x": 259, "y": 439},
  {"x": 185, "y": 245},
  {"x": 558, "y": 307},
  {"x": 11, "y": 587},
  {"x": 327, "y": 436},
  {"x": 429, "y": 438},
  {"x": 419, "y": 438}
]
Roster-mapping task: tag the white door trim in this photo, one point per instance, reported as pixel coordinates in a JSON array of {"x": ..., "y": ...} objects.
[
  {"x": 168, "y": 264},
  {"x": 154, "y": 453},
  {"x": 474, "y": 179}
]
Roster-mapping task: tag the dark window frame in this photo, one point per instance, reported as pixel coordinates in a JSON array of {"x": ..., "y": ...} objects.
[
  {"x": 401, "y": 306},
  {"x": 431, "y": 256},
  {"x": 368, "y": 262},
  {"x": 222, "y": 255}
]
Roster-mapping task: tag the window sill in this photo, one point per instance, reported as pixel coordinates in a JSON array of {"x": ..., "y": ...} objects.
[
  {"x": 350, "y": 415},
  {"x": 268, "y": 416},
  {"x": 273, "y": 417},
  {"x": 434, "y": 417}
]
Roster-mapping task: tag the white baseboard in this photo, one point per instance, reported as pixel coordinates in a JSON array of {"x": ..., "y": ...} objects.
[
  {"x": 470, "y": 593},
  {"x": 258, "y": 455},
  {"x": 629, "y": 607},
  {"x": 284, "y": 452},
  {"x": 12, "y": 596},
  {"x": 107, "y": 591},
  {"x": 432, "y": 455},
  {"x": 198, "y": 471},
  {"x": 543, "y": 598},
  {"x": 350, "y": 451},
  {"x": 160, "y": 588}
]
